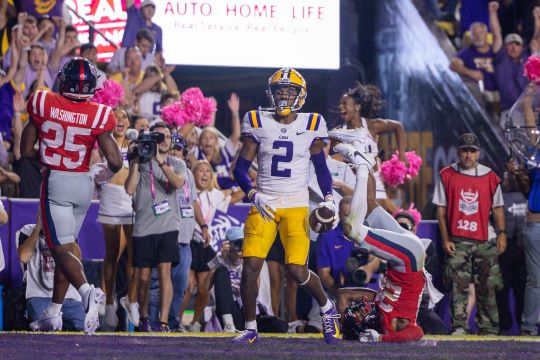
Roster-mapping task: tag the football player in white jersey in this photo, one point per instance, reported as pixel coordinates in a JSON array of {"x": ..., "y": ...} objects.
[{"x": 284, "y": 142}]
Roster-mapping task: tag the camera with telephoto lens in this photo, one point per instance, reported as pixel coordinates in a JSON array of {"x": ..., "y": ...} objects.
[
  {"x": 147, "y": 145},
  {"x": 358, "y": 257}
]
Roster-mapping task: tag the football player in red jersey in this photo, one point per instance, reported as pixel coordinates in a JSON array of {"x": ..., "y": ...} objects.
[
  {"x": 67, "y": 126},
  {"x": 393, "y": 309}
]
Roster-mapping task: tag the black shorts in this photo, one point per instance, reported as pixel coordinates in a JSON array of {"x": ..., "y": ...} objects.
[
  {"x": 151, "y": 250},
  {"x": 200, "y": 256},
  {"x": 277, "y": 252}
]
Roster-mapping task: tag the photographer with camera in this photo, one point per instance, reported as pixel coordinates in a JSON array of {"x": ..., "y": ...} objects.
[
  {"x": 339, "y": 262},
  {"x": 190, "y": 214},
  {"x": 153, "y": 180}
]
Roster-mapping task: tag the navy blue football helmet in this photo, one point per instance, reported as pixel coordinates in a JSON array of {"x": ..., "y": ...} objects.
[
  {"x": 360, "y": 315},
  {"x": 78, "y": 79}
]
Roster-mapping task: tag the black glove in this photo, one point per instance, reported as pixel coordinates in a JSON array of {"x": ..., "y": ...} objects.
[{"x": 133, "y": 153}]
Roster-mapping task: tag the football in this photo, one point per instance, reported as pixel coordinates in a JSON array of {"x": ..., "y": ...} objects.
[{"x": 321, "y": 219}]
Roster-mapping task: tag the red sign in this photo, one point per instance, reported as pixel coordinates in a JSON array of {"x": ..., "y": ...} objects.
[{"x": 108, "y": 17}]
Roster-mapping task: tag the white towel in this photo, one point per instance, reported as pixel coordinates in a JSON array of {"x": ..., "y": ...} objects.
[{"x": 434, "y": 295}]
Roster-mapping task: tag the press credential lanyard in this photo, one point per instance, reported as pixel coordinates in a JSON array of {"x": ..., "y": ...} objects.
[{"x": 152, "y": 186}]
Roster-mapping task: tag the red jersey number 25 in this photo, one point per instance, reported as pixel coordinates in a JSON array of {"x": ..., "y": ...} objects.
[{"x": 63, "y": 139}]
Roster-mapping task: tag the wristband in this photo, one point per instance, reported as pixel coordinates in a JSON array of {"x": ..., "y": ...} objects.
[
  {"x": 503, "y": 231},
  {"x": 161, "y": 165},
  {"x": 204, "y": 226},
  {"x": 250, "y": 194}
]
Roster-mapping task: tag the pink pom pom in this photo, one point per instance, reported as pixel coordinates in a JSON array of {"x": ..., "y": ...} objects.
[
  {"x": 172, "y": 114},
  {"x": 394, "y": 172},
  {"x": 112, "y": 94},
  {"x": 532, "y": 69},
  {"x": 415, "y": 162},
  {"x": 192, "y": 107}
]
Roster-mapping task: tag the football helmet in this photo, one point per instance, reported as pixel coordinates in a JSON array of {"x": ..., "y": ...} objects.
[
  {"x": 286, "y": 77},
  {"x": 360, "y": 315},
  {"x": 77, "y": 80}
]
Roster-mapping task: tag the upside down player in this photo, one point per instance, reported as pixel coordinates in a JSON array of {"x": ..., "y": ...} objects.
[
  {"x": 67, "y": 126},
  {"x": 284, "y": 142},
  {"x": 393, "y": 309}
]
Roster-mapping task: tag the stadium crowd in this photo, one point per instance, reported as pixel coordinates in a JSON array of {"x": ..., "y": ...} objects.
[{"x": 198, "y": 163}]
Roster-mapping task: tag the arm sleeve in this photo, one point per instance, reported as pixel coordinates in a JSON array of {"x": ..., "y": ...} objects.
[
  {"x": 241, "y": 176},
  {"x": 324, "y": 178},
  {"x": 410, "y": 333}
]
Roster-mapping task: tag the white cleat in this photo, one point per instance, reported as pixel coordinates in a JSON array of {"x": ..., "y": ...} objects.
[
  {"x": 47, "y": 322},
  {"x": 355, "y": 156},
  {"x": 347, "y": 136},
  {"x": 132, "y": 310},
  {"x": 96, "y": 297}
]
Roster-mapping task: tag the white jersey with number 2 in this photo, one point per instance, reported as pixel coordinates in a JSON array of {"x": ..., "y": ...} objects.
[{"x": 283, "y": 155}]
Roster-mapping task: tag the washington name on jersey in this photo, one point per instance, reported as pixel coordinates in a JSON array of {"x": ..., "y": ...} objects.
[
  {"x": 67, "y": 130},
  {"x": 283, "y": 155}
]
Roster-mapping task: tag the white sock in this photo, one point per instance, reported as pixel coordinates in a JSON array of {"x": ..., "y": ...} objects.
[
  {"x": 327, "y": 306},
  {"x": 53, "y": 308},
  {"x": 251, "y": 325},
  {"x": 227, "y": 319},
  {"x": 84, "y": 290}
]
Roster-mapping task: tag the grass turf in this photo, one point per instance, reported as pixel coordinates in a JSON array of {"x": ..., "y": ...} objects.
[{"x": 134, "y": 346}]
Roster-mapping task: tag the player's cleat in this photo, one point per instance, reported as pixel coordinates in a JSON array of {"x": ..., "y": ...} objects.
[
  {"x": 348, "y": 136},
  {"x": 47, "y": 322},
  {"x": 94, "y": 299},
  {"x": 355, "y": 156},
  {"x": 330, "y": 322},
  {"x": 132, "y": 310},
  {"x": 248, "y": 336}
]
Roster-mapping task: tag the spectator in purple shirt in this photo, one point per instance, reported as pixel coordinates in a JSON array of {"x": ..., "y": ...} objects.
[
  {"x": 509, "y": 62},
  {"x": 476, "y": 62},
  {"x": 141, "y": 19}
]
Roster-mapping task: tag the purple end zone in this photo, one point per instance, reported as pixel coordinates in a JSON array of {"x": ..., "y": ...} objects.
[{"x": 50, "y": 346}]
